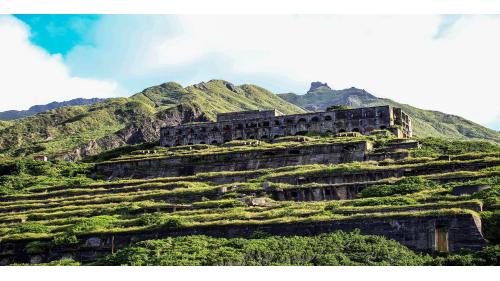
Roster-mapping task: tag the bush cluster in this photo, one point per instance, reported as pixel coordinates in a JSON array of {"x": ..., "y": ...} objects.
[{"x": 405, "y": 186}]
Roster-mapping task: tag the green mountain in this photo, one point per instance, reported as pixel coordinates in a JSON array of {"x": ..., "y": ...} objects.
[
  {"x": 74, "y": 132},
  {"x": 426, "y": 123},
  {"x": 16, "y": 114}
]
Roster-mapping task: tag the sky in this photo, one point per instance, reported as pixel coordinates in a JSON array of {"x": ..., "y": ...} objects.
[{"x": 448, "y": 63}]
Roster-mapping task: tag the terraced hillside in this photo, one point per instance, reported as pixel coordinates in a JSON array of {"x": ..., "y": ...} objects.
[{"x": 394, "y": 203}]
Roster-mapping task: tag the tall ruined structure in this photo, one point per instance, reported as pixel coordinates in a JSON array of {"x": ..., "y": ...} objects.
[{"x": 269, "y": 124}]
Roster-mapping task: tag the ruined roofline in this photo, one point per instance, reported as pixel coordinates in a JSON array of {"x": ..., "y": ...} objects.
[
  {"x": 264, "y": 125},
  {"x": 248, "y": 114},
  {"x": 278, "y": 114}
]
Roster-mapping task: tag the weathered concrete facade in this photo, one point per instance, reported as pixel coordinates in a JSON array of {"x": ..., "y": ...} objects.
[
  {"x": 420, "y": 233},
  {"x": 238, "y": 161},
  {"x": 268, "y": 125}
]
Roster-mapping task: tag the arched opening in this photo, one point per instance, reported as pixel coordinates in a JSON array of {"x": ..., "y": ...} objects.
[
  {"x": 328, "y": 118},
  {"x": 302, "y": 120},
  {"x": 190, "y": 143},
  {"x": 239, "y": 127},
  {"x": 240, "y": 138},
  {"x": 289, "y": 121},
  {"x": 315, "y": 119},
  {"x": 251, "y": 137},
  {"x": 328, "y": 132},
  {"x": 355, "y": 130},
  {"x": 214, "y": 142},
  {"x": 301, "y": 133},
  {"x": 263, "y": 137},
  {"x": 383, "y": 128},
  {"x": 202, "y": 142},
  {"x": 341, "y": 131},
  {"x": 227, "y": 140},
  {"x": 277, "y": 123}
]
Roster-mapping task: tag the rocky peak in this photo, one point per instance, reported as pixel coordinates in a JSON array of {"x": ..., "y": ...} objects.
[{"x": 318, "y": 85}]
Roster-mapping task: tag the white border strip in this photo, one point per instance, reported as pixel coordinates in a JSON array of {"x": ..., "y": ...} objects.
[{"x": 250, "y": 6}]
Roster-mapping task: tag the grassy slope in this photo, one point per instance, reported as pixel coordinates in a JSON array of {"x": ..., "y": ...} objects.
[
  {"x": 426, "y": 123},
  {"x": 4, "y": 124},
  {"x": 112, "y": 123}
]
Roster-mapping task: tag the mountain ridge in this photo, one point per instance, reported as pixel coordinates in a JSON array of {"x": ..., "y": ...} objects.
[
  {"x": 16, "y": 114},
  {"x": 426, "y": 123},
  {"x": 75, "y": 132}
]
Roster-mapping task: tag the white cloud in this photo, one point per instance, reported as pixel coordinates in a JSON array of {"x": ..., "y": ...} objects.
[
  {"x": 391, "y": 56},
  {"x": 29, "y": 75}
]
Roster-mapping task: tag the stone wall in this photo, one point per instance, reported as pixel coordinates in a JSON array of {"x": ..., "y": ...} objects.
[
  {"x": 416, "y": 232},
  {"x": 382, "y": 173},
  {"x": 264, "y": 126},
  {"x": 237, "y": 161}
]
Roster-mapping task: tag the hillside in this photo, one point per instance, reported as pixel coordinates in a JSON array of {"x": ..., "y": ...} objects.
[
  {"x": 426, "y": 123},
  {"x": 4, "y": 124},
  {"x": 284, "y": 206},
  {"x": 73, "y": 132},
  {"x": 16, "y": 114}
]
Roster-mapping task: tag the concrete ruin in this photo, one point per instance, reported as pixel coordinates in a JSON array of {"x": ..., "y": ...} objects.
[
  {"x": 269, "y": 124},
  {"x": 426, "y": 233}
]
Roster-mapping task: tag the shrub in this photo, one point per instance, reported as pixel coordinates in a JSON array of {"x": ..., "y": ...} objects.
[
  {"x": 161, "y": 220},
  {"x": 338, "y": 248},
  {"x": 65, "y": 239},
  {"x": 405, "y": 186},
  {"x": 30, "y": 227},
  {"x": 93, "y": 223}
]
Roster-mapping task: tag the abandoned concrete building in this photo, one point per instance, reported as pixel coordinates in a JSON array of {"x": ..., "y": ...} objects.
[{"x": 269, "y": 125}]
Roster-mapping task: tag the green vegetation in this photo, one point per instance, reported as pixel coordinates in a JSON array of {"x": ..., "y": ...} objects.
[
  {"x": 58, "y": 205},
  {"x": 335, "y": 249},
  {"x": 401, "y": 187},
  {"x": 63, "y": 132},
  {"x": 4, "y": 124},
  {"x": 433, "y": 147},
  {"x": 17, "y": 176}
]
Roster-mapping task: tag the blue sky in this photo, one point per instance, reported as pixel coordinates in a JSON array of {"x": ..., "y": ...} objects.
[
  {"x": 446, "y": 63},
  {"x": 59, "y": 33}
]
